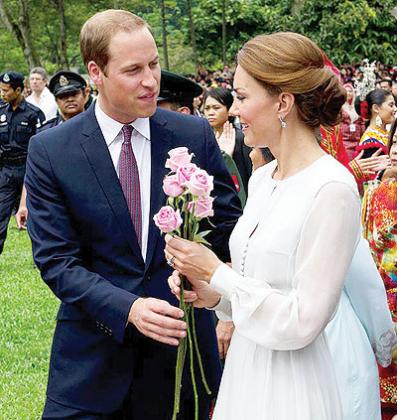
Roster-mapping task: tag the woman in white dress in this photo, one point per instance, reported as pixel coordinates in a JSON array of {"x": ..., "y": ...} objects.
[{"x": 292, "y": 247}]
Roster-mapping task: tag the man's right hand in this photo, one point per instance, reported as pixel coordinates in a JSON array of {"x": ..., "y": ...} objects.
[
  {"x": 157, "y": 319},
  {"x": 224, "y": 332},
  {"x": 21, "y": 217}
]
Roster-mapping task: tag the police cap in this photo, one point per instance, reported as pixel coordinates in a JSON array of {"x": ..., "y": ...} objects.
[
  {"x": 66, "y": 82},
  {"x": 12, "y": 78},
  {"x": 176, "y": 88}
]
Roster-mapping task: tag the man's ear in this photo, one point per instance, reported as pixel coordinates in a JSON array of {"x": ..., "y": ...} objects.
[
  {"x": 95, "y": 72},
  {"x": 184, "y": 110}
]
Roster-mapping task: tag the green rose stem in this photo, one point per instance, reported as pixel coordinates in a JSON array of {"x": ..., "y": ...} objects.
[{"x": 189, "y": 343}]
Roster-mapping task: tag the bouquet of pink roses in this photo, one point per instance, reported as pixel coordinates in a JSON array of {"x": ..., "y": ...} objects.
[{"x": 188, "y": 190}]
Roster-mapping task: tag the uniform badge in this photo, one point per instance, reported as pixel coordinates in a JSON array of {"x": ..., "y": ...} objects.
[
  {"x": 6, "y": 78},
  {"x": 3, "y": 117},
  {"x": 63, "y": 81}
]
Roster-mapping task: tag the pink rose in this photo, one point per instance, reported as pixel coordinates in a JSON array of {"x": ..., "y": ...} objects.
[
  {"x": 200, "y": 183},
  {"x": 178, "y": 157},
  {"x": 167, "y": 219},
  {"x": 202, "y": 207},
  {"x": 172, "y": 187},
  {"x": 185, "y": 172}
]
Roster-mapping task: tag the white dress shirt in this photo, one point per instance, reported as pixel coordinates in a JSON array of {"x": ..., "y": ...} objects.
[
  {"x": 141, "y": 146},
  {"x": 46, "y": 103}
]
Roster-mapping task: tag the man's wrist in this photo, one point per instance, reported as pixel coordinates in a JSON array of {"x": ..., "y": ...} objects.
[{"x": 133, "y": 315}]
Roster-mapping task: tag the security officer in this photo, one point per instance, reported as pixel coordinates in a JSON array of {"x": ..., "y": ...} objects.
[
  {"x": 178, "y": 92},
  {"x": 70, "y": 93},
  {"x": 18, "y": 123}
]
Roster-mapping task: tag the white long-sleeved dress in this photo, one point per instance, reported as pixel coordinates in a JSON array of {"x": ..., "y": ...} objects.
[{"x": 290, "y": 251}]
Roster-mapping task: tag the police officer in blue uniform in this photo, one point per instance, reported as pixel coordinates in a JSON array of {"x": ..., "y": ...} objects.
[
  {"x": 70, "y": 93},
  {"x": 19, "y": 121},
  {"x": 69, "y": 89}
]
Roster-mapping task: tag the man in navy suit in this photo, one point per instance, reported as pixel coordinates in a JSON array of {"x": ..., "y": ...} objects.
[{"x": 114, "y": 348}]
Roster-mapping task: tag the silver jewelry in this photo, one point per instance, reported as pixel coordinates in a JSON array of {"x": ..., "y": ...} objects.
[
  {"x": 282, "y": 122},
  {"x": 170, "y": 261},
  {"x": 378, "y": 121}
]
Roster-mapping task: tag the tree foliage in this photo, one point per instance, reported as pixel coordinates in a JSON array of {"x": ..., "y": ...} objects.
[{"x": 347, "y": 30}]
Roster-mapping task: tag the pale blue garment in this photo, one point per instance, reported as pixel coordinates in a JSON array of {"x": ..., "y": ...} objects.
[{"x": 361, "y": 328}]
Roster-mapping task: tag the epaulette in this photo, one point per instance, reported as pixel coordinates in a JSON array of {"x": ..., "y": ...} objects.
[
  {"x": 50, "y": 121},
  {"x": 31, "y": 106}
]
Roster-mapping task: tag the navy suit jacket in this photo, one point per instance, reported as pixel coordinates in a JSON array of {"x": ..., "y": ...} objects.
[{"x": 85, "y": 246}]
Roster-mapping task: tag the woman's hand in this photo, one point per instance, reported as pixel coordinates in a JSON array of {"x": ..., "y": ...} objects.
[
  {"x": 193, "y": 260},
  {"x": 201, "y": 294},
  {"x": 227, "y": 140},
  {"x": 373, "y": 164}
]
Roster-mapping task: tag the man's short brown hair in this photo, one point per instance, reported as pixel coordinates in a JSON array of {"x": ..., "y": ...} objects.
[{"x": 99, "y": 29}]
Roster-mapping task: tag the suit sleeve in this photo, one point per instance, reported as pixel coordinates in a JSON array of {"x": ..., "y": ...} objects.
[
  {"x": 57, "y": 251},
  {"x": 227, "y": 206}
]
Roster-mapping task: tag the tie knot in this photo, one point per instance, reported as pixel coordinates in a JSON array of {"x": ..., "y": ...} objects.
[{"x": 127, "y": 132}]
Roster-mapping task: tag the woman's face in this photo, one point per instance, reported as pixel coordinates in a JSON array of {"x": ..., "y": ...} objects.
[
  {"x": 393, "y": 150},
  {"x": 349, "y": 94},
  {"x": 256, "y": 109},
  {"x": 216, "y": 113},
  {"x": 388, "y": 110}
]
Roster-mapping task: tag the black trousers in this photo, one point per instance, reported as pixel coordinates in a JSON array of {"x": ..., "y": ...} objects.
[
  {"x": 11, "y": 181},
  {"x": 152, "y": 393}
]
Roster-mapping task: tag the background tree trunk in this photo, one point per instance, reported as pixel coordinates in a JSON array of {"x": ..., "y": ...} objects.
[
  {"x": 164, "y": 34},
  {"x": 63, "y": 50},
  {"x": 21, "y": 31},
  {"x": 192, "y": 31},
  {"x": 224, "y": 40}
]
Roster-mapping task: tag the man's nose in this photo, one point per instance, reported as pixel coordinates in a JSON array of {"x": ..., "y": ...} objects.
[{"x": 148, "y": 78}]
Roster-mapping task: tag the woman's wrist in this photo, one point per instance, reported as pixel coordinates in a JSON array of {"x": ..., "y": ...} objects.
[{"x": 211, "y": 271}]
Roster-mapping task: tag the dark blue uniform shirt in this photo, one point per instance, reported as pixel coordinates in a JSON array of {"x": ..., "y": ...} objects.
[{"x": 16, "y": 128}]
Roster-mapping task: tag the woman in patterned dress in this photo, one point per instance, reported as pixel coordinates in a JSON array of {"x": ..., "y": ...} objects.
[
  {"x": 380, "y": 228},
  {"x": 382, "y": 109}
]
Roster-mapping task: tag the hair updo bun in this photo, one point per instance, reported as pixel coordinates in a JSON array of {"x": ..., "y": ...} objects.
[{"x": 290, "y": 62}]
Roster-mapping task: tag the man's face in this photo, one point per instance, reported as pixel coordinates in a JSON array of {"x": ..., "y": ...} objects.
[
  {"x": 37, "y": 83},
  {"x": 130, "y": 87},
  {"x": 385, "y": 86},
  {"x": 71, "y": 104},
  {"x": 8, "y": 93}
]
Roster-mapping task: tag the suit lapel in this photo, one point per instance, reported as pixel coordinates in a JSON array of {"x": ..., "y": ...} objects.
[
  {"x": 161, "y": 143},
  {"x": 97, "y": 153}
]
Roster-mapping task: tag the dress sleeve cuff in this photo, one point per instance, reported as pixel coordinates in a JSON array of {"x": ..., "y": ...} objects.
[{"x": 224, "y": 281}]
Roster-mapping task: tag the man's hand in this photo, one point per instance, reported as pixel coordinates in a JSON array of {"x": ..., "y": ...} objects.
[
  {"x": 224, "y": 332},
  {"x": 157, "y": 319},
  {"x": 21, "y": 217}
]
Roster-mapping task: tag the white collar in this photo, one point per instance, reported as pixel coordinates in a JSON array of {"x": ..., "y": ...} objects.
[{"x": 111, "y": 128}]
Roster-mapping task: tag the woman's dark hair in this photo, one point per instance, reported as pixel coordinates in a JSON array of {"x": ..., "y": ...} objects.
[
  {"x": 222, "y": 95},
  {"x": 376, "y": 97},
  {"x": 391, "y": 135}
]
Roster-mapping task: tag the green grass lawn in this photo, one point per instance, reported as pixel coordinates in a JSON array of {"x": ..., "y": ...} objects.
[{"x": 27, "y": 321}]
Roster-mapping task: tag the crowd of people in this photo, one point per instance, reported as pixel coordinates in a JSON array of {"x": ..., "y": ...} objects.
[{"x": 305, "y": 312}]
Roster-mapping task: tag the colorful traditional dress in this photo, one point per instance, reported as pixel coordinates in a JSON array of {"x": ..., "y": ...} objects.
[
  {"x": 380, "y": 228},
  {"x": 332, "y": 143},
  {"x": 374, "y": 138},
  {"x": 352, "y": 128}
]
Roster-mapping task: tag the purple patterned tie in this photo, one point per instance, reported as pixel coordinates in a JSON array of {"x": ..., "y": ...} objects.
[{"x": 129, "y": 180}]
